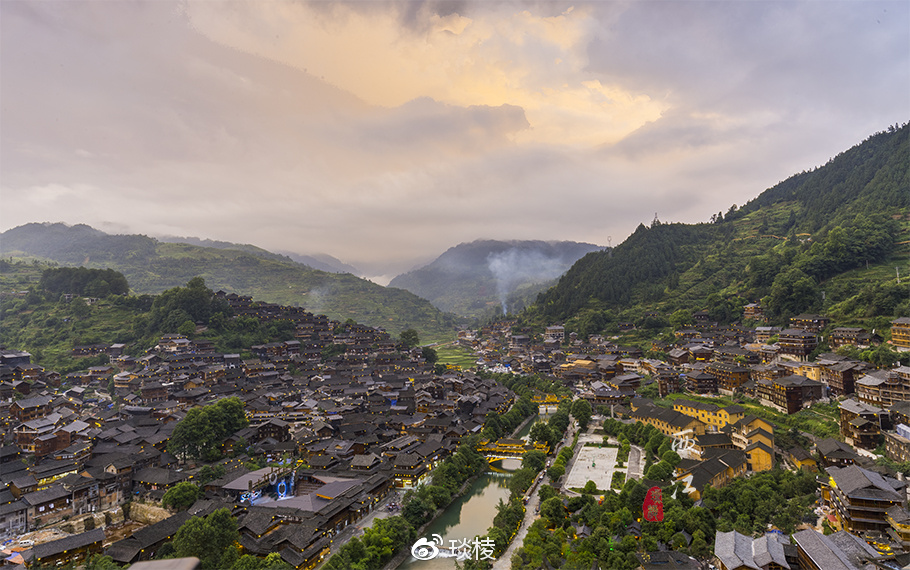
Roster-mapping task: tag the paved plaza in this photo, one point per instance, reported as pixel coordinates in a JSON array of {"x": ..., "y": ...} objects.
[{"x": 593, "y": 464}]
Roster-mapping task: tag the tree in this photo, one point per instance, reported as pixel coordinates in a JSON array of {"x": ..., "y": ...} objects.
[
  {"x": 556, "y": 471},
  {"x": 541, "y": 432},
  {"x": 699, "y": 546},
  {"x": 429, "y": 355},
  {"x": 181, "y": 496},
  {"x": 101, "y": 562},
  {"x": 210, "y": 539},
  {"x": 202, "y": 431},
  {"x": 581, "y": 410},
  {"x": 546, "y": 492},
  {"x": 409, "y": 338},
  {"x": 520, "y": 481},
  {"x": 209, "y": 473},
  {"x": 271, "y": 562},
  {"x": 590, "y": 488},
  {"x": 187, "y": 328},
  {"x": 793, "y": 292},
  {"x": 554, "y": 511},
  {"x": 79, "y": 308},
  {"x": 534, "y": 459}
]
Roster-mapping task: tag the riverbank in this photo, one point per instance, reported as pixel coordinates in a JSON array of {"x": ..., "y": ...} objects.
[
  {"x": 523, "y": 425},
  {"x": 405, "y": 552}
]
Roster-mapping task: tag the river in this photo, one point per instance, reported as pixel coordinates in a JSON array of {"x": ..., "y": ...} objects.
[
  {"x": 468, "y": 516},
  {"x": 471, "y": 514}
]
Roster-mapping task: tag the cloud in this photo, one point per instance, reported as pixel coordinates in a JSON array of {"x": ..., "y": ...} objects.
[
  {"x": 385, "y": 132},
  {"x": 488, "y": 55}
]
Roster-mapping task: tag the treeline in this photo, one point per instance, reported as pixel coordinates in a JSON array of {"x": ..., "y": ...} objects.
[
  {"x": 181, "y": 309},
  {"x": 551, "y": 430},
  {"x": 83, "y": 282},
  {"x": 790, "y": 277},
  {"x": 655, "y": 444},
  {"x": 610, "y": 278},
  {"x": 509, "y": 514},
  {"x": 527, "y": 385},
  {"x": 869, "y": 178},
  {"x": 750, "y": 505},
  {"x": 784, "y": 248}
]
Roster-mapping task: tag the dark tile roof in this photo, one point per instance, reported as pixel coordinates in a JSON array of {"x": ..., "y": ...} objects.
[{"x": 73, "y": 542}]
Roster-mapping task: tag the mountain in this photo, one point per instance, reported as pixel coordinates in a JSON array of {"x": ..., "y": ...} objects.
[
  {"x": 479, "y": 278},
  {"x": 152, "y": 266},
  {"x": 822, "y": 240},
  {"x": 322, "y": 262}
]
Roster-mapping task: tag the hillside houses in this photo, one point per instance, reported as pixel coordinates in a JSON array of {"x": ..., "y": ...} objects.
[{"x": 368, "y": 420}]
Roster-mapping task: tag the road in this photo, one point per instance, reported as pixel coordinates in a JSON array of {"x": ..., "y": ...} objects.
[
  {"x": 636, "y": 465},
  {"x": 504, "y": 562}
]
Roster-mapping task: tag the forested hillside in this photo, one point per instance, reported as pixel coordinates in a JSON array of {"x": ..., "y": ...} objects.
[
  {"x": 826, "y": 240},
  {"x": 483, "y": 277},
  {"x": 151, "y": 267}
]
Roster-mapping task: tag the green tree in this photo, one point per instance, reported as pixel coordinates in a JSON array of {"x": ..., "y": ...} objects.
[
  {"x": 271, "y": 562},
  {"x": 541, "y": 433},
  {"x": 181, "y": 496},
  {"x": 520, "y": 481},
  {"x": 793, "y": 292},
  {"x": 554, "y": 511},
  {"x": 556, "y": 471},
  {"x": 546, "y": 492},
  {"x": 101, "y": 562},
  {"x": 79, "y": 308},
  {"x": 534, "y": 459},
  {"x": 409, "y": 338},
  {"x": 202, "y": 431},
  {"x": 209, "y": 473},
  {"x": 187, "y": 328},
  {"x": 581, "y": 411},
  {"x": 429, "y": 355},
  {"x": 211, "y": 539}
]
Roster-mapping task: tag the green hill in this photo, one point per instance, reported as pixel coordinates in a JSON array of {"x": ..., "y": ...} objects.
[
  {"x": 152, "y": 266},
  {"x": 481, "y": 278},
  {"x": 826, "y": 240}
]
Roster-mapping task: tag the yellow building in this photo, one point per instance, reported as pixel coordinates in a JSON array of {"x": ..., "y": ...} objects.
[
  {"x": 802, "y": 459},
  {"x": 667, "y": 421},
  {"x": 755, "y": 436},
  {"x": 720, "y": 468},
  {"x": 711, "y": 415},
  {"x": 900, "y": 333}
]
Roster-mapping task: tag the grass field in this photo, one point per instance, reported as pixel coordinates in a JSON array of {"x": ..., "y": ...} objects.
[{"x": 453, "y": 354}]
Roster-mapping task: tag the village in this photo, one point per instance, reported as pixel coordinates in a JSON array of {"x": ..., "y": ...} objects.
[{"x": 343, "y": 420}]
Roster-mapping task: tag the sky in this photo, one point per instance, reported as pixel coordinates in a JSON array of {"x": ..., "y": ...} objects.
[{"x": 384, "y": 133}]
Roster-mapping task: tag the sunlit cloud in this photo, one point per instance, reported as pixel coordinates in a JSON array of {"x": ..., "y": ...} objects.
[{"x": 508, "y": 57}]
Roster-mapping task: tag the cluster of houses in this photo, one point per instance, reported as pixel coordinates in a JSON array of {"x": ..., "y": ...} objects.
[
  {"x": 867, "y": 502},
  {"x": 347, "y": 431},
  {"x": 709, "y": 359}
]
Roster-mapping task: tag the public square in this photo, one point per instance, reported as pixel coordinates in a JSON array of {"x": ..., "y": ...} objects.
[{"x": 593, "y": 464}]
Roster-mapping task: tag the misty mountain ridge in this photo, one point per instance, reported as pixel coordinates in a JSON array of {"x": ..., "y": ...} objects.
[
  {"x": 320, "y": 261},
  {"x": 482, "y": 277},
  {"x": 153, "y": 266}
]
